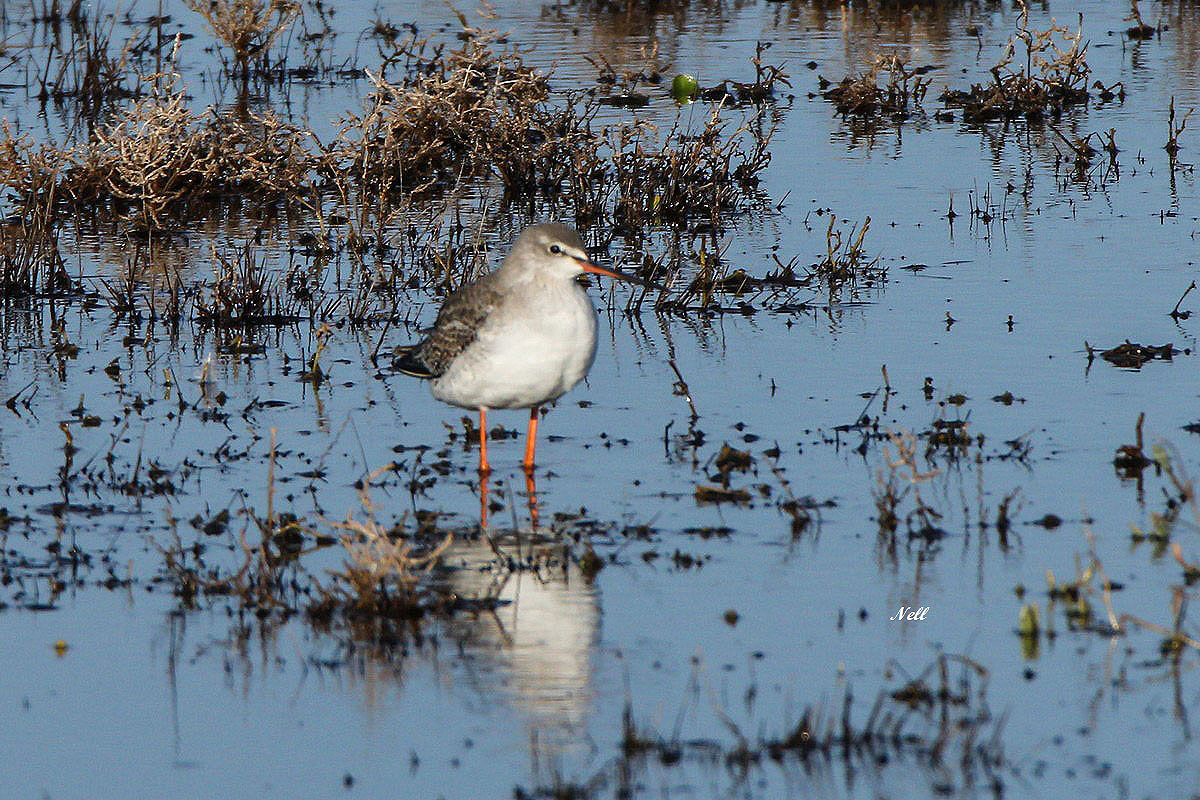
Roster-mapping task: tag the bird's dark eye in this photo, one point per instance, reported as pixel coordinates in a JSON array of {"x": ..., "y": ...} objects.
[{"x": 555, "y": 249}]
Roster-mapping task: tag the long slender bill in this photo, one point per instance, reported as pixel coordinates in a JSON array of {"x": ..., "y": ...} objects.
[{"x": 588, "y": 266}]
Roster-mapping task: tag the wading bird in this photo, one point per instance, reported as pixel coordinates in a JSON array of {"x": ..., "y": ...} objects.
[{"x": 519, "y": 337}]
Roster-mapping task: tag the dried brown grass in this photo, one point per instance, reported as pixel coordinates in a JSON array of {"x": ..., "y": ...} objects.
[
  {"x": 30, "y": 261},
  {"x": 382, "y": 584},
  {"x": 457, "y": 115},
  {"x": 1053, "y": 77},
  {"x": 438, "y": 123},
  {"x": 249, "y": 28},
  {"x": 159, "y": 159}
]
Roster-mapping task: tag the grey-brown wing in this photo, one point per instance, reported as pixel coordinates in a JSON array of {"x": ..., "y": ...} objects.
[{"x": 456, "y": 327}]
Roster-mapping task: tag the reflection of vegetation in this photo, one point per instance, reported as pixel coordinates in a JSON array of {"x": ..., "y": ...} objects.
[
  {"x": 844, "y": 271},
  {"x": 938, "y": 720}
]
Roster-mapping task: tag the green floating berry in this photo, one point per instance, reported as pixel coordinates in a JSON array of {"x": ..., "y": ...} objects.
[{"x": 684, "y": 87}]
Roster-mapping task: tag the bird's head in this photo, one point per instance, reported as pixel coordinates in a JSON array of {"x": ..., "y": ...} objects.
[{"x": 558, "y": 251}]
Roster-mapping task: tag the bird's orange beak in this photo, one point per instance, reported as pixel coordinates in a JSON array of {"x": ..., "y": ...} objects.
[{"x": 588, "y": 266}]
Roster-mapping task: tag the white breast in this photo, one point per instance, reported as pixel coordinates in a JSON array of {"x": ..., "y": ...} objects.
[{"x": 534, "y": 347}]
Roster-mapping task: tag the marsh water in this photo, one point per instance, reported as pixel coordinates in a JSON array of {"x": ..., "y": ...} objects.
[{"x": 713, "y": 626}]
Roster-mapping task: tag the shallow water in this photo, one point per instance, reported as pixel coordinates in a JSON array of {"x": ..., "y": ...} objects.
[{"x": 143, "y": 698}]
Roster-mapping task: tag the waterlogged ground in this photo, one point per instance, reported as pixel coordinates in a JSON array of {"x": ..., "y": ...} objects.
[{"x": 958, "y": 396}]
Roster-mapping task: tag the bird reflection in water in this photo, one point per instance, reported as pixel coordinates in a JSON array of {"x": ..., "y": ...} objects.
[
  {"x": 535, "y": 651},
  {"x": 530, "y": 497}
]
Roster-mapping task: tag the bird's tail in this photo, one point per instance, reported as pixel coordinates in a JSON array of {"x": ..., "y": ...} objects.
[{"x": 407, "y": 359}]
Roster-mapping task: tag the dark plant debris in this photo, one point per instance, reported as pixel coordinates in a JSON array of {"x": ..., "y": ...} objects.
[
  {"x": 1129, "y": 355},
  {"x": 1042, "y": 73}
]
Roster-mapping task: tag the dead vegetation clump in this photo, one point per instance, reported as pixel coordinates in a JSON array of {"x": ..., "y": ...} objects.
[
  {"x": 453, "y": 115},
  {"x": 159, "y": 160},
  {"x": 452, "y": 119},
  {"x": 478, "y": 111},
  {"x": 243, "y": 294},
  {"x": 683, "y": 177},
  {"x": 1053, "y": 77},
  {"x": 478, "y": 115},
  {"x": 382, "y": 587},
  {"x": 249, "y": 28},
  {"x": 262, "y": 585},
  {"x": 695, "y": 179},
  {"x": 1174, "y": 131},
  {"x": 30, "y": 261},
  {"x": 903, "y": 91}
]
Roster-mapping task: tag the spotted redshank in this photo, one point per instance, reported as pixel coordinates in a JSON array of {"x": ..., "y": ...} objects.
[{"x": 519, "y": 337}]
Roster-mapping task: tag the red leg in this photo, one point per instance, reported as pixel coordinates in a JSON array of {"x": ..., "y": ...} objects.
[
  {"x": 531, "y": 495},
  {"x": 483, "y": 500},
  {"x": 531, "y": 439},
  {"x": 484, "y": 468}
]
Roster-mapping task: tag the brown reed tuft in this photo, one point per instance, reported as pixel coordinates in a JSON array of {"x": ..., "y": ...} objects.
[
  {"x": 249, "y": 28},
  {"x": 159, "y": 159},
  {"x": 1053, "y": 77}
]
